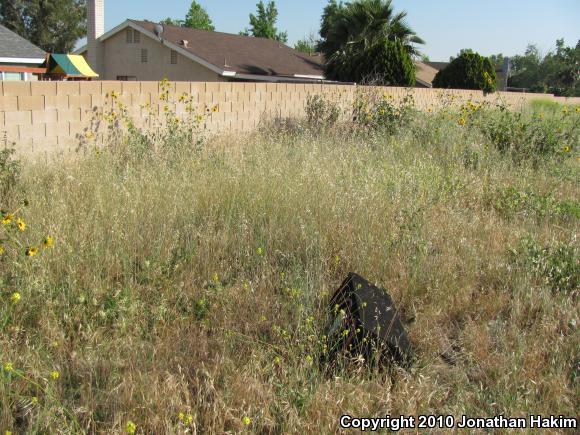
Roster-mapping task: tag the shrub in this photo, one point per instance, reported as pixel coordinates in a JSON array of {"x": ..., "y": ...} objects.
[
  {"x": 558, "y": 265},
  {"x": 511, "y": 202},
  {"x": 531, "y": 137},
  {"x": 383, "y": 113},
  {"x": 9, "y": 172},
  {"x": 384, "y": 63},
  {"x": 320, "y": 112},
  {"x": 468, "y": 71}
]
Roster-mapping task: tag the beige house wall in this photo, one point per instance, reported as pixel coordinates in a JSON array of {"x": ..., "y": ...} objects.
[
  {"x": 46, "y": 118},
  {"x": 124, "y": 59}
]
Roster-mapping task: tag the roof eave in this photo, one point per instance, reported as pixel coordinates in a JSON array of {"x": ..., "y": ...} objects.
[{"x": 26, "y": 60}]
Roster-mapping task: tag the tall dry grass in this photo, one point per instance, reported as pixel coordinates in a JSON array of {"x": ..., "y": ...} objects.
[{"x": 185, "y": 291}]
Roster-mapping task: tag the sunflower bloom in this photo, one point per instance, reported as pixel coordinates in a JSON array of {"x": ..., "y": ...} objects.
[
  {"x": 31, "y": 251},
  {"x": 48, "y": 242},
  {"x": 21, "y": 224},
  {"x": 130, "y": 427},
  {"x": 7, "y": 219},
  {"x": 461, "y": 121},
  {"x": 15, "y": 297},
  {"x": 215, "y": 109}
]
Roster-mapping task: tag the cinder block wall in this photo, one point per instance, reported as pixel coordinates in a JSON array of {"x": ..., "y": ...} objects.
[{"x": 48, "y": 117}]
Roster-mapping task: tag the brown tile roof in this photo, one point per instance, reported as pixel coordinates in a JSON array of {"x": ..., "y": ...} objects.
[
  {"x": 242, "y": 54},
  {"x": 425, "y": 73},
  {"x": 437, "y": 65}
]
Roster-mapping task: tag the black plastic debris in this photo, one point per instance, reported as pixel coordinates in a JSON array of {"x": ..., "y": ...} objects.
[{"x": 364, "y": 323}]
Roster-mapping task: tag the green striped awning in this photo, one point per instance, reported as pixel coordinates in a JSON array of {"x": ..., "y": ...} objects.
[{"x": 71, "y": 65}]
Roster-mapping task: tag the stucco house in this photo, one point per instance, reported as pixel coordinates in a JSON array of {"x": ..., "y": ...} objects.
[
  {"x": 19, "y": 59},
  {"x": 143, "y": 50}
]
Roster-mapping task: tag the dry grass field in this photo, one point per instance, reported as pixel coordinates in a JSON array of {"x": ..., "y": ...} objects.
[{"x": 172, "y": 285}]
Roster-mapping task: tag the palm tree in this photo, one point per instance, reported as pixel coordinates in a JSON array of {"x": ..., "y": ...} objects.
[{"x": 353, "y": 34}]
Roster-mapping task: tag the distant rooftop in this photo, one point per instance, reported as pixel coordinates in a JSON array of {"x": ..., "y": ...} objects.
[
  {"x": 13, "y": 45},
  {"x": 243, "y": 54}
]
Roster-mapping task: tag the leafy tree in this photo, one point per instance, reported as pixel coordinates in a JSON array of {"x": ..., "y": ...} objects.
[
  {"x": 366, "y": 39},
  {"x": 172, "y": 22},
  {"x": 263, "y": 25},
  {"x": 55, "y": 25},
  {"x": 307, "y": 45},
  {"x": 198, "y": 18},
  {"x": 468, "y": 71},
  {"x": 557, "y": 72},
  {"x": 497, "y": 60}
]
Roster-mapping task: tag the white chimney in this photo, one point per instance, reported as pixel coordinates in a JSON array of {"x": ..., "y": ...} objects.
[{"x": 95, "y": 28}]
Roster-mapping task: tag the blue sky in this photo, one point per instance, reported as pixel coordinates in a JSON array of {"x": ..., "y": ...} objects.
[{"x": 489, "y": 27}]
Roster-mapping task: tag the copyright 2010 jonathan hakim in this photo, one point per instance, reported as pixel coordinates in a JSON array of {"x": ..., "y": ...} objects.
[{"x": 395, "y": 424}]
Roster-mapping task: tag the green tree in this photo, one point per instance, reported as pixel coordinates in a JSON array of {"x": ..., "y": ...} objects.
[
  {"x": 497, "y": 60},
  {"x": 366, "y": 40},
  {"x": 557, "y": 72},
  {"x": 55, "y": 25},
  {"x": 468, "y": 71},
  {"x": 198, "y": 18},
  {"x": 172, "y": 22},
  {"x": 307, "y": 45},
  {"x": 263, "y": 24}
]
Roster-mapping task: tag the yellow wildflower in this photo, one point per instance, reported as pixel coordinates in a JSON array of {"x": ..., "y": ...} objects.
[
  {"x": 215, "y": 277},
  {"x": 188, "y": 419},
  {"x": 54, "y": 375},
  {"x": 8, "y": 367},
  {"x": 31, "y": 251},
  {"x": 461, "y": 121},
  {"x": 277, "y": 360},
  {"x": 565, "y": 110},
  {"x": 215, "y": 109},
  {"x": 577, "y": 109},
  {"x": 48, "y": 242},
  {"x": 34, "y": 400},
  {"x": 7, "y": 219},
  {"x": 15, "y": 297},
  {"x": 259, "y": 251},
  {"x": 2, "y": 250},
  {"x": 246, "y": 420},
  {"x": 21, "y": 224},
  {"x": 7, "y": 432},
  {"x": 308, "y": 359},
  {"x": 130, "y": 427},
  {"x": 90, "y": 135},
  {"x": 566, "y": 149}
]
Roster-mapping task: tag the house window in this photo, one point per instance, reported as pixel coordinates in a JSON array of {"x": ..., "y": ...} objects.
[
  {"x": 173, "y": 57},
  {"x": 143, "y": 55},
  {"x": 127, "y": 78},
  {"x": 12, "y": 76},
  {"x": 133, "y": 36}
]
